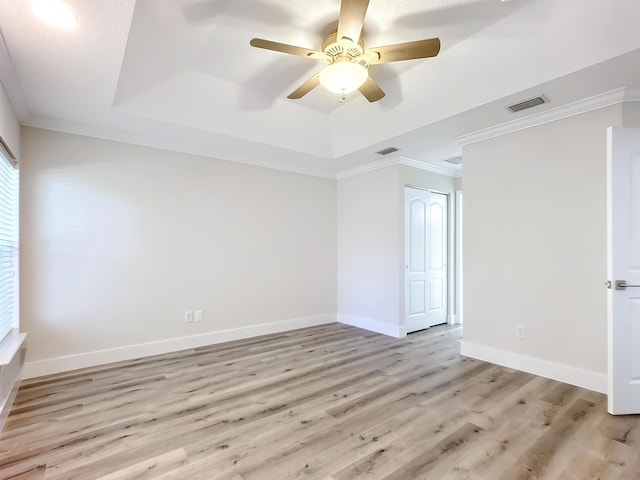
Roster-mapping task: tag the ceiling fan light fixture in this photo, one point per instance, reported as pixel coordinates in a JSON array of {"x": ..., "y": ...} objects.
[{"x": 343, "y": 77}]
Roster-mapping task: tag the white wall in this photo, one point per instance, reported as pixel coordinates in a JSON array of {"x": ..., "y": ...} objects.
[
  {"x": 534, "y": 239},
  {"x": 631, "y": 114},
  {"x": 119, "y": 240},
  {"x": 371, "y": 245}
]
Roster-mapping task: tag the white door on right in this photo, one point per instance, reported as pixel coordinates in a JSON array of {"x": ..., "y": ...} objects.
[
  {"x": 623, "y": 264},
  {"x": 426, "y": 251}
]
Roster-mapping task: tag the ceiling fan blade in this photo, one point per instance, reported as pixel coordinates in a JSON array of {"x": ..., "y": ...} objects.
[
  {"x": 352, "y": 14},
  {"x": 286, "y": 48},
  {"x": 371, "y": 90},
  {"x": 403, "y": 51},
  {"x": 305, "y": 88}
]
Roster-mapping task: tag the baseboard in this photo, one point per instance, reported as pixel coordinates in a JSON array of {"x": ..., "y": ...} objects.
[
  {"x": 555, "y": 371},
  {"x": 130, "y": 352},
  {"x": 372, "y": 325}
]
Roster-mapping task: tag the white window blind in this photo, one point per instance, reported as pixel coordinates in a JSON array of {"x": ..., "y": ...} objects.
[{"x": 8, "y": 247}]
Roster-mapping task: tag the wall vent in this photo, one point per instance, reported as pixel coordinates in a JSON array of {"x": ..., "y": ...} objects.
[
  {"x": 532, "y": 102},
  {"x": 387, "y": 151},
  {"x": 453, "y": 160}
]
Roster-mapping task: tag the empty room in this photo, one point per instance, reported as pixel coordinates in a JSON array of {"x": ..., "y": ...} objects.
[{"x": 270, "y": 240}]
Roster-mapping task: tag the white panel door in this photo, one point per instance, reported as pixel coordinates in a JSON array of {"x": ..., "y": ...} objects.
[
  {"x": 623, "y": 222},
  {"x": 425, "y": 259},
  {"x": 437, "y": 259},
  {"x": 416, "y": 208}
]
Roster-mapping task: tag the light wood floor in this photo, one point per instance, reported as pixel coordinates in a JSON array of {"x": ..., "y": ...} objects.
[{"x": 331, "y": 402}]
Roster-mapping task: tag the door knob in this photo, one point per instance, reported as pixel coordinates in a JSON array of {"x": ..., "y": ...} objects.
[{"x": 622, "y": 284}]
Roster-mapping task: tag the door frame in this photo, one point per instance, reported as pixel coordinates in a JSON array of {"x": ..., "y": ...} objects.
[{"x": 457, "y": 301}]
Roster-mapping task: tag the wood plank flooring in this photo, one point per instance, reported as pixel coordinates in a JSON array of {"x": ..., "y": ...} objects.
[{"x": 330, "y": 403}]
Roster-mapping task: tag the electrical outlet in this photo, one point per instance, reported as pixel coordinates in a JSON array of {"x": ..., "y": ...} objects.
[
  {"x": 188, "y": 317},
  {"x": 520, "y": 331},
  {"x": 199, "y": 316}
]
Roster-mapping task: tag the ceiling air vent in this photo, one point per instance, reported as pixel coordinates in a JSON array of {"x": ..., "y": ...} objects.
[
  {"x": 387, "y": 151},
  {"x": 532, "y": 102},
  {"x": 454, "y": 160}
]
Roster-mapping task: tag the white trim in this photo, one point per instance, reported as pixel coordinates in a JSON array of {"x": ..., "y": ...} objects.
[
  {"x": 452, "y": 319},
  {"x": 366, "y": 168},
  {"x": 396, "y": 160},
  {"x": 458, "y": 256},
  {"x": 449, "y": 172},
  {"x": 101, "y": 133},
  {"x": 594, "y": 102},
  {"x": 130, "y": 352},
  {"x": 11, "y": 346},
  {"x": 145, "y": 140},
  {"x": 373, "y": 325},
  {"x": 544, "y": 368}
]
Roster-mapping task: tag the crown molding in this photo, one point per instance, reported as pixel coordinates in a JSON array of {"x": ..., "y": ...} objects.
[
  {"x": 396, "y": 160},
  {"x": 142, "y": 140},
  {"x": 594, "y": 102},
  {"x": 449, "y": 172},
  {"x": 366, "y": 168}
]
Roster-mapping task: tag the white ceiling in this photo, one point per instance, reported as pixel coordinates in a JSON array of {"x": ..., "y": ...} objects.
[{"x": 180, "y": 74}]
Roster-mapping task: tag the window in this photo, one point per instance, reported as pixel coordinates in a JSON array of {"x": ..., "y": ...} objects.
[{"x": 8, "y": 246}]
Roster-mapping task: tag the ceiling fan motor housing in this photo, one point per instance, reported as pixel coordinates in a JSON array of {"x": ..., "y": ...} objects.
[{"x": 341, "y": 50}]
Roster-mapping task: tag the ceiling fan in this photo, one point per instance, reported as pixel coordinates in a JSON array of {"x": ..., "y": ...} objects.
[{"x": 347, "y": 60}]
